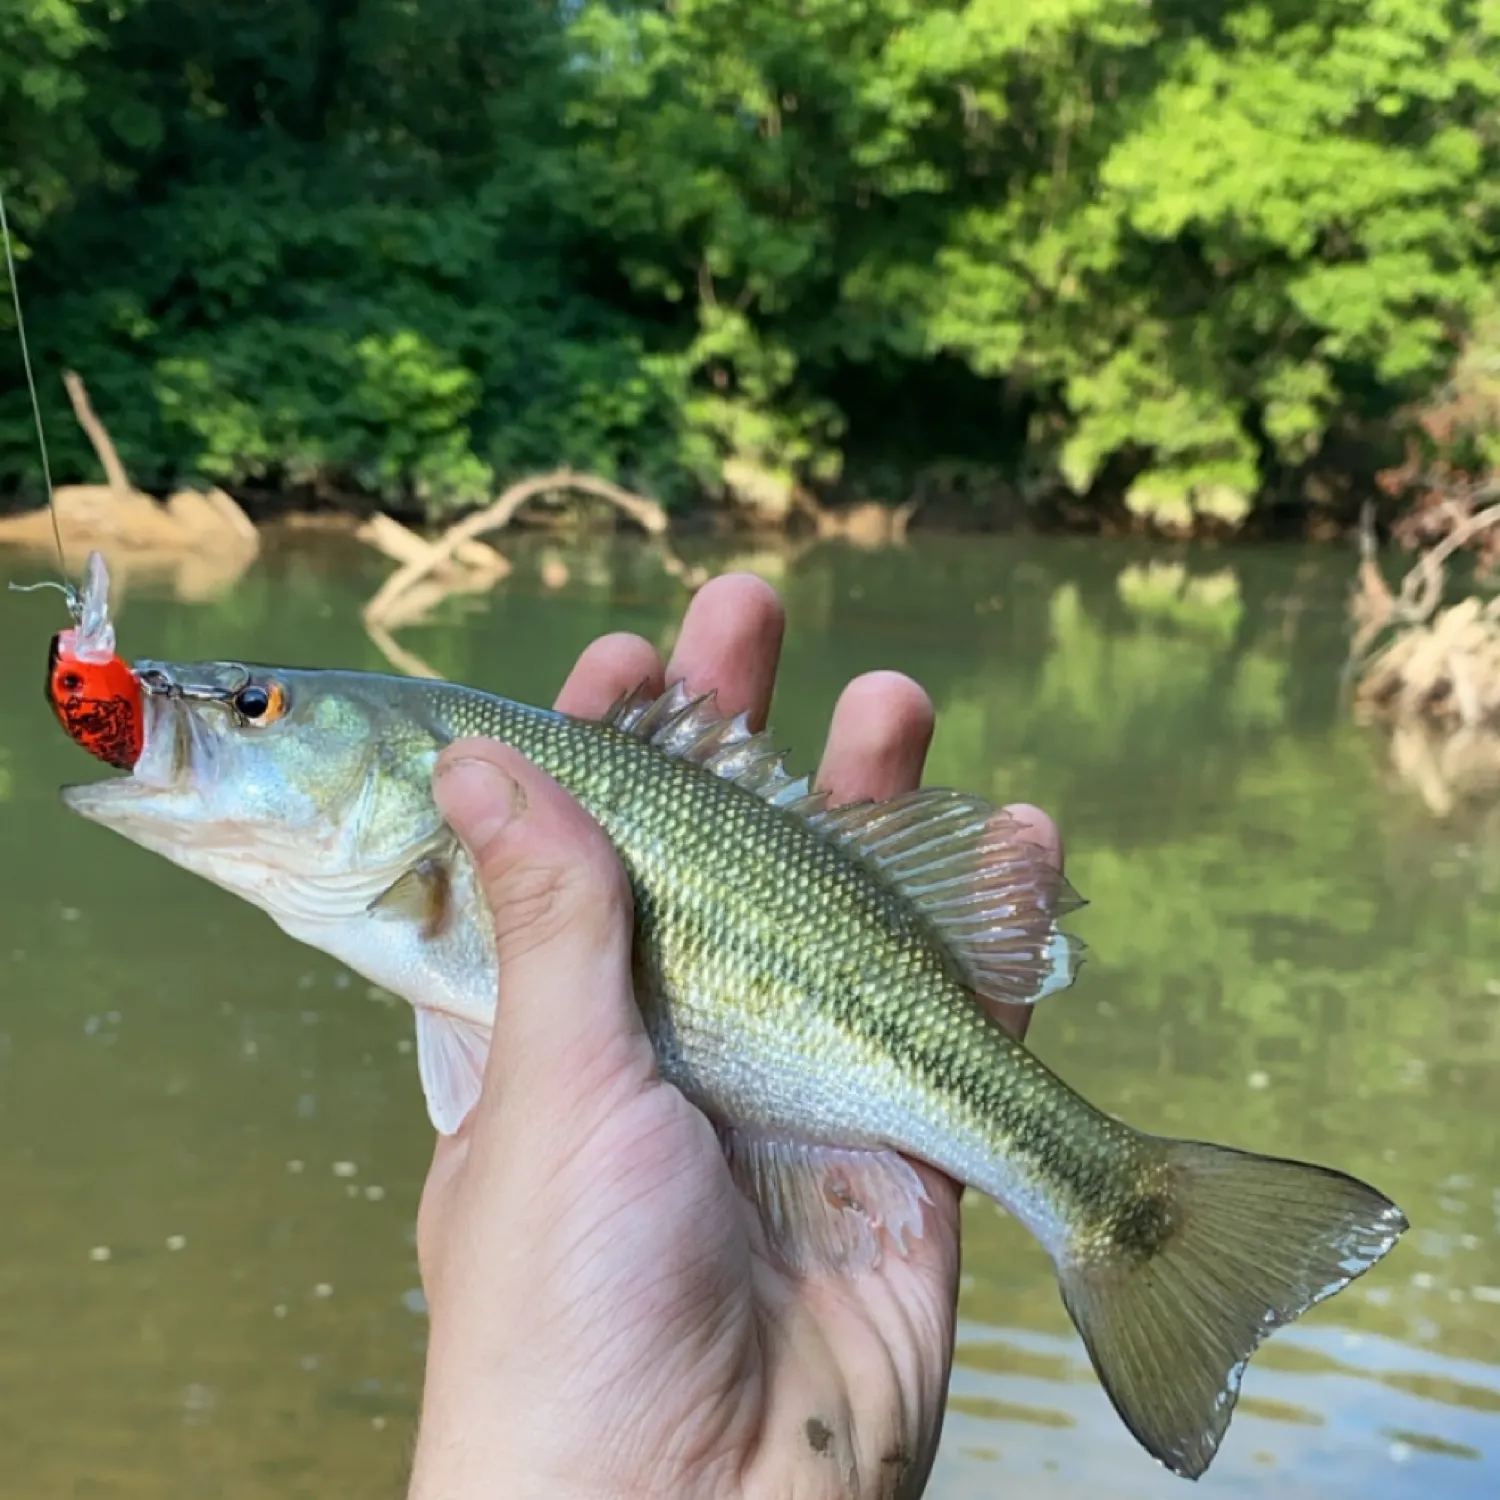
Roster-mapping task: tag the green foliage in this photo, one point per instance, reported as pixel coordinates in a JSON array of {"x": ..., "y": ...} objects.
[{"x": 738, "y": 251}]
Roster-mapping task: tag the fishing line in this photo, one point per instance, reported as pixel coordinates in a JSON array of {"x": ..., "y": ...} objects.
[{"x": 36, "y": 405}]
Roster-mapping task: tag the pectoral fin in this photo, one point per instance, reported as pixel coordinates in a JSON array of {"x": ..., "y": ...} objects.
[
  {"x": 827, "y": 1209},
  {"x": 424, "y": 895}
]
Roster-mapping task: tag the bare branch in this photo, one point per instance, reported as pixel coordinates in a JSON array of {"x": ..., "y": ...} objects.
[
  {"x": 648, "y": 514},
  {"x": 97, "y": 434}
]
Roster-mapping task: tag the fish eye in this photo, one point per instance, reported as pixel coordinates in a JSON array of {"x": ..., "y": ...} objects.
[
  {"x": 259, "y": 703},
  {"x": 70, "y": 682},
  {"x": 252, "y": 702}
]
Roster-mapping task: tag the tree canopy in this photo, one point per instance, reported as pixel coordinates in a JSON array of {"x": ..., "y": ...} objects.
[{"x": 1174, "y": 258}]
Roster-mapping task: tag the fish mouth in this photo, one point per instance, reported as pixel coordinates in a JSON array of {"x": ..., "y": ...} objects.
[
  {"x": 184, "y": 801},
  {"x": 170, "y": 784}
]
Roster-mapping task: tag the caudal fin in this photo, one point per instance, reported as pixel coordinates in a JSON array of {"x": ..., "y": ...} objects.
[{"x": 1219, "y": 1249}]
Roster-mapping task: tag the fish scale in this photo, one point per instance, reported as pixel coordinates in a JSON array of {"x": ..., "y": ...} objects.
[
  {"x": 819, "y": 981},
  {"x": 720, "y": 883}
]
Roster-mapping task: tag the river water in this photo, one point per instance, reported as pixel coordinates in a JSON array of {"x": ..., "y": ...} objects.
[{"x": 213, "y": 1140}]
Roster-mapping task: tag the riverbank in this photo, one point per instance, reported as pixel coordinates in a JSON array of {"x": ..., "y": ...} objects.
[{"x": 23, "y": 518}]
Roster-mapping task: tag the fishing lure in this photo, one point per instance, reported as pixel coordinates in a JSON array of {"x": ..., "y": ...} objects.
[
  {"x": 91, "y": 689},
  {"x": 95, "y": 695}
]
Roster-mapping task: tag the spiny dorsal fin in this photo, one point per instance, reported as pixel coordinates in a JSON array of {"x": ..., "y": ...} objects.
[
  {"x": 993, "y": 897},
  {"x": 693, "y": 729}
]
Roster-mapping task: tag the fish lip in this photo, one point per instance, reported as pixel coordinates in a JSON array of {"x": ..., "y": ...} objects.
[
  {"x": 93, "y": 798},
  {"x": 176, "y": 756}
]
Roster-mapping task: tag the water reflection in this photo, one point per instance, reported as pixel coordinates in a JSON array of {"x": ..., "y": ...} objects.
[
  {"x": 1327, "y": 1412},
  {"x": 215, "y": 1139}
]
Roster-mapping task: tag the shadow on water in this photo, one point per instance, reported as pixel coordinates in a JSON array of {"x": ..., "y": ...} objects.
[{"x": 215, "y": 1141}]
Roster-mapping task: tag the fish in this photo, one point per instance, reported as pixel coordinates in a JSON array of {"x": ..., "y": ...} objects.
[{"x": 815, "y": 978}]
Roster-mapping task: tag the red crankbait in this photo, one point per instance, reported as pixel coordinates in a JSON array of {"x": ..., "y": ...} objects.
[{"x": 93, "y": 692}]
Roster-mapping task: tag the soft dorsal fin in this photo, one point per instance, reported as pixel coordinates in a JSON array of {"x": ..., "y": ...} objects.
[{"x": 993, "y": 897}]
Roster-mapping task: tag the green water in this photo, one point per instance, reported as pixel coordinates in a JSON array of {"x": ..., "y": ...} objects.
[{"x": 214, "y": 1139}]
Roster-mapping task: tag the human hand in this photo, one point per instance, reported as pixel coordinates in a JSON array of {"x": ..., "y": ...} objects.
[{"x": 606, "y": 1320}]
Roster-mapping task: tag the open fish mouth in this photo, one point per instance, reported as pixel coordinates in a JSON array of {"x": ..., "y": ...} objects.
[
  {"x": 170, "y": 785},
  {"x": 221, "y": 800}
]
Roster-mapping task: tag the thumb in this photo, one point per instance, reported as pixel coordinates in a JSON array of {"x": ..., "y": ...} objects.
[{"x": 567, "y": 1021}]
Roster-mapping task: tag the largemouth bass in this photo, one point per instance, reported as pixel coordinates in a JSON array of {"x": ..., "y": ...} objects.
[{"x": 811, "y": 978}]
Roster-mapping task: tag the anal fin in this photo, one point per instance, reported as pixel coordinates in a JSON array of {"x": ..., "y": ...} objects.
[
  {"x": 825, "y": 1208},
  {"x": 451, "y": 1055}
]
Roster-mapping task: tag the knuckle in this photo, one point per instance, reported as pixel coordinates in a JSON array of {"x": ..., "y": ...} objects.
[{"x": 533, "y": 904}]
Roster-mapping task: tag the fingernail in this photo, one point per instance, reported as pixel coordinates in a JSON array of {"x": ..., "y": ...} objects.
[{"x": 477, "y": 798}]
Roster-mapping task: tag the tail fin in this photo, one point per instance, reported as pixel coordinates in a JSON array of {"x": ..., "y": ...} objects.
[{"x": 1218, "y": 1250}]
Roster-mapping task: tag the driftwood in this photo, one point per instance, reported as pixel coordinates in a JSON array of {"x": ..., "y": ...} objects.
[
  {"x": 1376, "y": 608},
  {"x": 1446, "y": 672},
  {"x": 448, "y": 548},
  {"x": 472, "y": 569},
  {"x": 1434, "y": 684},
  {"x": 401, "y": 544},
  {"x": 200, "y": 538},
  {"x": 868, "y": 524},
  {"x": 1419, "y": 636},
  {"x": 457, "y": 562}
]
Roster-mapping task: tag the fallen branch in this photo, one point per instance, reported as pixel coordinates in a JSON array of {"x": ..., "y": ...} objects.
[
  {"x": 648, "y": 514},
  {"x": 1422, "y": 589},
  {"x": 397, "y": 654},
  {"x": 402, "y": 545},
  {"x": 1377, "y": 610}
]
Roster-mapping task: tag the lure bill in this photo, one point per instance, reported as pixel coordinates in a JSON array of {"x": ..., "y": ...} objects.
[
  {"x": 94, "y": 694},
  {"x": 815, "y": 979}
]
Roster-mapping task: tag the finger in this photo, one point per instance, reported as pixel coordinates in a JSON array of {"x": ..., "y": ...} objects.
[
  {"x": 878, "y": 739},
  {"x": 1033, "y": 827},
  {"x": 609, "y": 668},
  {"x": 566, "y": 1025},
  {"x": 1037, "y": 828},
  {"x": 731, "y": 643},
  {"x": 877, "y": 746}
]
